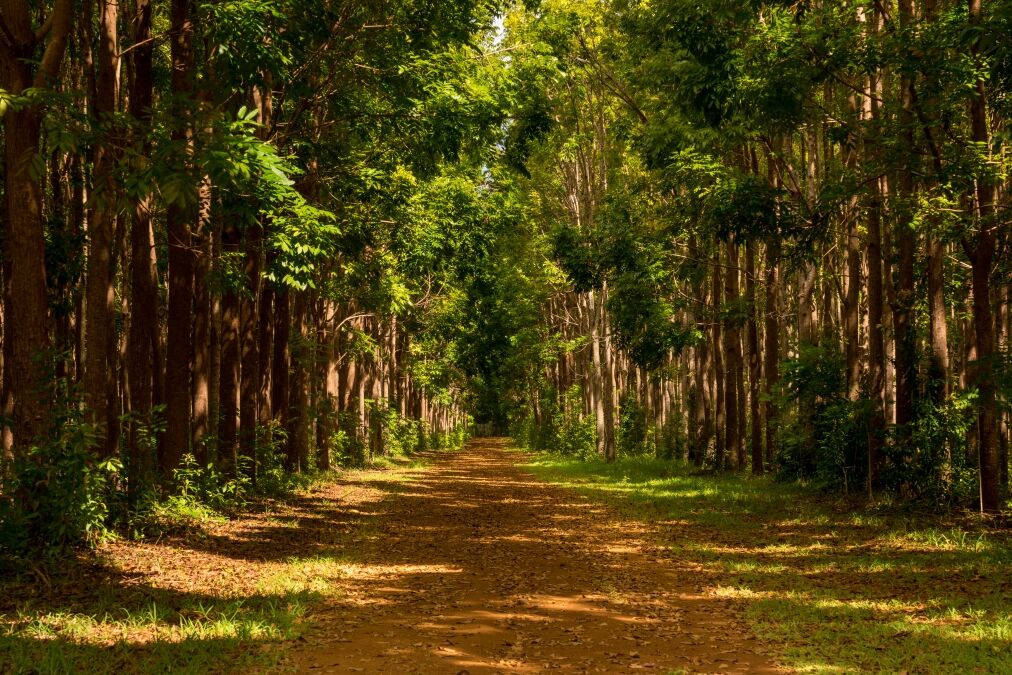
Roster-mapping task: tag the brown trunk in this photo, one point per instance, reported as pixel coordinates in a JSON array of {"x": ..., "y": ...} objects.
[
  {"x": 720, "y": 409},
  {"x": 906, "y": 366},
  {"x": 597, "y": 375},
  {"x": 99, "y": 356},
  {"x": 281, "y": 356},
  {"x": 752, "y": 342},
  {"x": 852, "y": 299},
  {"x": 200, "y": 383},
  {"x": 143, "y": 272},
  {"x": 178, "y": 218},
  {"x": 214, "y": 346},
  {"x": 229, "y": 374},
  {"x": 771, "y": 350},
  {"x": 983, "y": 250},
  {"x": 732, "y": 351},
  {"x": 26, "y": 306},
  {"x": 876, "y": 301},
  {"x": 806, "y": 339},
  {"x": 265, "y": 340},
  {"x": 249, "y": 388},
  {"x": 1002, "y": 340},
  {"x": 298, "y": 396},
  {"x": 608, "y": 392},
  {"x": 938, "y": 367},
  {"x": 702, "y": 393}
]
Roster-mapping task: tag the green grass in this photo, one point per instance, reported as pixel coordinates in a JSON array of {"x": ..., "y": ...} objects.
[
  {"x": 159, "y": 634},
  {"x": 836, "y": 588}
]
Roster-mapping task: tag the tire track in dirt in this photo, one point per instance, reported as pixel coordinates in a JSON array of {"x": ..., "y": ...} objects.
[{"x": 478, "y": 567}]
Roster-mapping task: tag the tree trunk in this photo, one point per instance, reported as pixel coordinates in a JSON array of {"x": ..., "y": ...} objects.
[
  {"x": 178, "y": 219},
  {"x": 200, "y": 383},
  {"x": 230, "y": 361},
  {"x": 608, "y": 392},
  {"x": 99, "y": 357},
  {"x": 265, "y": 340},
  {"x": 771, "y": 350},
  {"x": 298, "y": 407},
  {"x": 720, "y": 409},
  {"x": 143, "y": 273},
  {"x": 981, "y": 259},
  {"x": 752, "y": 341},
  {"x": 732, "y": 351},
  {"x": 249, "y": 369},
  {"x": 281, "y": 356},
  {"x": 26, "y": 324}
]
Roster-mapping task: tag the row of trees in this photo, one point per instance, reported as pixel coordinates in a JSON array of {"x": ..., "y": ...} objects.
[
  {"x": 220, "y": 233},
  {"x": 750, "y": 233},
  {"x": 785, "y": 234}
]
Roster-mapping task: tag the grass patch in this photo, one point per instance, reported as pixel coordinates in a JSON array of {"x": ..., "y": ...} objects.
[
  {"x": 150, "y": 632},
  {"x": 840, "y": 590}
]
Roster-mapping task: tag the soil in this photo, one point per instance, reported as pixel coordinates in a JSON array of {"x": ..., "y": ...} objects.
[{"x": 476, "y": 567}]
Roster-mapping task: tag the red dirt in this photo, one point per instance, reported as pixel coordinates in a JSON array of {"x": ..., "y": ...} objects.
[{"x": 476, "y": 567}]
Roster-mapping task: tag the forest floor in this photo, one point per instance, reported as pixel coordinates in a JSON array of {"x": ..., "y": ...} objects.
[
  {"x": 460, "y": 563},
  {"x": 491, "y": 560},
  {"x": 839, "y": 585}
]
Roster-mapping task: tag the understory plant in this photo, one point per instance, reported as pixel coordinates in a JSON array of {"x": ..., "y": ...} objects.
[{"x": 57, "y": 493}]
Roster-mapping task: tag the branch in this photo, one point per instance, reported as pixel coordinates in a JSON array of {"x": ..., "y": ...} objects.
[
  {"x": 609, "y": 79},
  {"x": 137, "y": 45},
  {"x": 970, "y": 253},
  {"x": 46, "y": 26},
  {"x": 52, "y": 57}
]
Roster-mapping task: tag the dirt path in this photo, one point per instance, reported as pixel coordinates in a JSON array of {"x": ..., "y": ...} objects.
[{"x": 476, "y": 567}]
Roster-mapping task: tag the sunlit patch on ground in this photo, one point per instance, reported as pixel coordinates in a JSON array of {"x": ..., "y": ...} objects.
[
  {"x": 523, "y": 578},
  {"x": 840, "y": 589},
  {"x": 221, "y": 598}
]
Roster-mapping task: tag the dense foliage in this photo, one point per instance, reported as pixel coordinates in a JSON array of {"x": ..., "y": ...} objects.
[{"x": 246, "y": 240}]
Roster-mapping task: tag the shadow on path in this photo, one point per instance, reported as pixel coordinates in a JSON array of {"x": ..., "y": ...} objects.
[{"x": 476, "y": 566}]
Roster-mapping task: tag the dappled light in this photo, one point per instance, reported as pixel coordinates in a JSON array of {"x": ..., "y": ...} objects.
[
  {"x": 813, "y": 576},
  {"x": 523, "y": 579},
  {"x": 505, "y": 336}
]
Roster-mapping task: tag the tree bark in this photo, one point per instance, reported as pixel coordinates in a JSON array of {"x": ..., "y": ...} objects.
[
  {"x": 298, "y": 407},
  {"x": 983, "y": 250},
  {"x": 228, "y": 425},
  {"x": 752, "y": 341},
  {"x": 143, "y": 336},
  {"x": 26, "y": 325},
  {"x": 203, "y": 253},
  {"x": 771, "y": 348},
  {"x": 720, "y": 383},
  {"x": 178, "y": 218},
  {"x": 732, "y": 351},
  {"x": 99, "y": 355},
  {"x": 249, "y": 389}
]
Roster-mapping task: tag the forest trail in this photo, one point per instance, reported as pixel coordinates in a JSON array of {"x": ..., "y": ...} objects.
[{"x": 477, "y": 567}]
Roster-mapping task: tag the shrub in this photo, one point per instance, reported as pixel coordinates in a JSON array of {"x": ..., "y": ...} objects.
[
  {"x": 56, "y": 493},
  {"x": 574, "y": 437},
  {"x": 176, "y": 515},
  {"x": 206, "y": 485},
  {"x": 272, "y": 478},
  {"x": 631, "y": 438},
  {"x": 824, "y": 435},
  {"x": 932, "y": 462}
]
